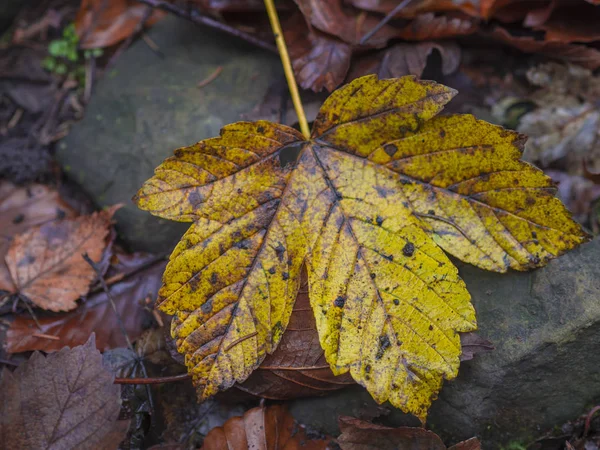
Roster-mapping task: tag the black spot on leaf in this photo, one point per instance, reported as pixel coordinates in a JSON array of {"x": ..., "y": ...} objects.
[{"x": 409, "y": 249}]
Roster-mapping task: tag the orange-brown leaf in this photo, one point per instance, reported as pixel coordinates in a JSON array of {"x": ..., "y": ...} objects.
[
  {"x": 22, "y": 208},
  {"x": 46, "y": 263},
  {"x": 430, "y": 27},
  {"x": 142, "y": 279},
  {"x": 102, "y": 23},
  {"x": 262, "y": 428},
  {"x": 588, "y": 57}
]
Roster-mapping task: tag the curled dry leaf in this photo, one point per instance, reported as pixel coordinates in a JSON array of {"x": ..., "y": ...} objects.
[
  {"x": 102, "y": 23},
  {"x": 587, "y": 57},
  {"x": 369, "y": 204},
  {"x": 298, "y": 367},
  {"x": 63, "y": 400},
  {"x": 406, "y": 59},
  {"x": 140, "y": 283},
  {"x": 22, "y": 208},
  {"x": 566, "y": 22},
  {"x": 360, "y": 435},
  {"x": 46, "y": 263},
  {"x": 262, "y": 428}
]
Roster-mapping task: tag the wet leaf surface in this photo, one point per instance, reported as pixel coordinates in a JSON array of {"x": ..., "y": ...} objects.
[
  {"x": 369, "y": 204},
  {"x": 63, "y": 400},
  {"x": 406, "y": 59}
]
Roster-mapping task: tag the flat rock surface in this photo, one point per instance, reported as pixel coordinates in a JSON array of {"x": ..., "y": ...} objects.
[
  {"x": 148, "y": 105},
  {"x": 545, "y": 326}
]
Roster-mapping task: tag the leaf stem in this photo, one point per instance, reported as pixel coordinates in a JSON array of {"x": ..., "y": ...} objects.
[
  {"x": 182, "y": 377},
  {"x": 287, "y": 67}
]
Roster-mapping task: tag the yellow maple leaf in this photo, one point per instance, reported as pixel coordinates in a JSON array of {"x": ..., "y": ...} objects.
[{"x": 367, "y": 204}]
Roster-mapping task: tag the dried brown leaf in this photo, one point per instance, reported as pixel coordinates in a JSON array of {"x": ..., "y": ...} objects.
[
  {"x": 579, "y": 54},
  {"x": 63, "y": 400},
  {"x": 428, "y": 26},
  {"x": 22, "y": 208},
  {"x": 361, "y": 435},
  {"x": 319, "y": 60},
  {"x": 102, "y": 23},
  {"x": 298, "y": 367},
  {"x": 330, "y": 17},
  {"x": 566, "y": 22},
  {"x": 406, "y": 59},
  {"x": 96, "y": 314},
  {"x": 46, "y": 263},
  {"x": 472, "y": 344},
  {"x": 262, "y": 428}
]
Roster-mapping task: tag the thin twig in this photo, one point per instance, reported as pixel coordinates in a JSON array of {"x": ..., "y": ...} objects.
[
  {"x": 8, "y": 363},
  {"x": 31, "y": 313},
  {"x": 384, "y": 21},
  {"x": 212, "y": 77},
  {"x": 287, "y": 67},
  {"x": 153, "y": 46},
  {"x": 121, "y": 324},
  {"x": 46, "y": 336},
  {"x": 158, "y": 380},
  {"x": 198, "y": 18}
]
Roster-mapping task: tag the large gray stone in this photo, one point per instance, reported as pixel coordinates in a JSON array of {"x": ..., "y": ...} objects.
[
  {"x": 148, "y": 106},
  {"x": 544, "y": 370}
]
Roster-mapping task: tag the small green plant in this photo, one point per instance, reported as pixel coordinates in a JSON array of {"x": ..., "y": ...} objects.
[{"x": 64, "y": 56}]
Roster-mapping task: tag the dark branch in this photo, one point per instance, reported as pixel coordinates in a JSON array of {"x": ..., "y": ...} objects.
[{"x": 198, "y": 18}]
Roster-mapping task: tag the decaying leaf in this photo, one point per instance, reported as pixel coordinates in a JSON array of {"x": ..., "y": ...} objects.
[
  {"x": 46, "y": 263},
  {"x": 587, "y": 57},
  {"x": 102, "y": 23},
  {"x": 566, "y": 123},
  {"x": 368, "y": 204},
  {"x": 63, "y": 400},
  {"x": 430, "y": 27},
  {"x": 406, "y": 59},
  {"x": 360, "y": 435},
  {"x": 472, "y": 344},
  {"x": 22, "y": 208},
  {"x": 262, "y": 428},
  {"x": 298, "y": 367},
  {"x": 330, "y": 17},
  {"x": 141, "y": 282},
  {"x": 319, "y": 60}
]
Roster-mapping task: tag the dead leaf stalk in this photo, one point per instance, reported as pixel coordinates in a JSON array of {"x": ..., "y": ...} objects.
[{"x": 157, "y": 380}]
